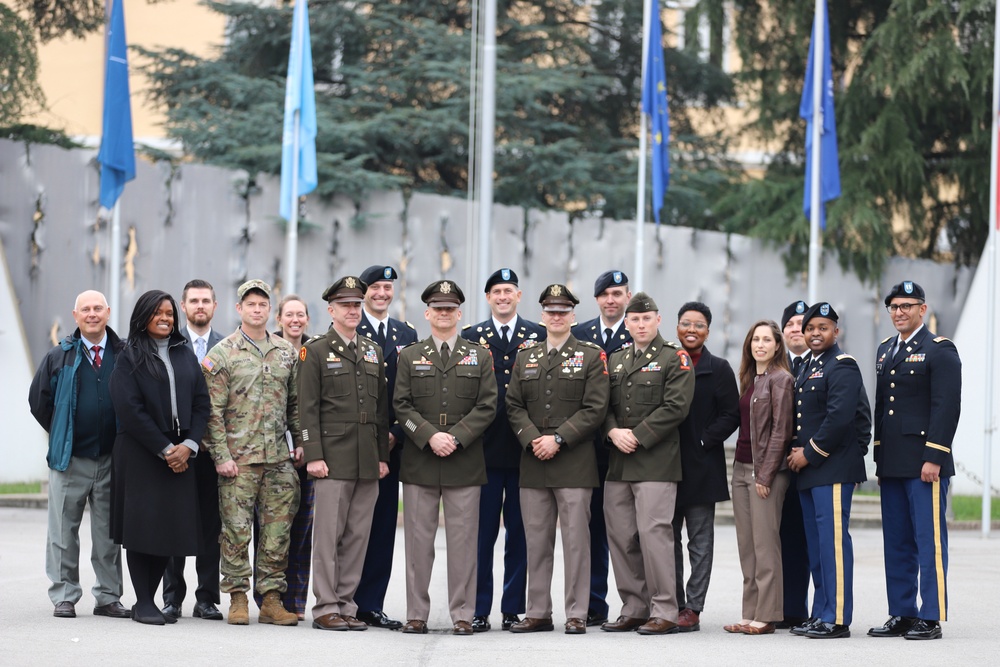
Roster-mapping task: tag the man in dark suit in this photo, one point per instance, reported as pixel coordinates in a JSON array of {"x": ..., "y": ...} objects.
[
  {"x": 198, "y": 303},
  {"x": 503, "y": 334},
  {"x": 714, "y": 416},
  {"x": 918, "y": 400},
  {"x": 832, "y": 431},
  {"x": 607, "y": 331},
  {"x": 794, "y": 553},
  {"x": 445, "y": 399},
  {"x": 391, "y": 335}
]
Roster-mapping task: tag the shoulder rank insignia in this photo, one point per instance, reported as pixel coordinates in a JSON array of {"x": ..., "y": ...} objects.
[
  {"x": 841, "y": 357},
  {"x": 673, "y": 344},
  {"x": 886, "y": 340},
  {"x": 941, "y": 339},
  {"x": 410, "y": 325},
  {"x": 468, "y": 326},
  {"x": 587, "y": 343}
]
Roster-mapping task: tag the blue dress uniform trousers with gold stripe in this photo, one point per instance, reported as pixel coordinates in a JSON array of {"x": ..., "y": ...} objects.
[
  {"x": 833, "y": 427},
  {"x": 917, "y": 407}
]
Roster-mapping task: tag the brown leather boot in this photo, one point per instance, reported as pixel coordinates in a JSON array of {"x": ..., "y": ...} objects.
[
  {"x": 238, "y": 612},
  {"x": 272, "y": 611}
]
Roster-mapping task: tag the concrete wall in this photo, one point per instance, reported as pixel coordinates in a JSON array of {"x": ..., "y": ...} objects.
[{"x": 196, "y": 221}]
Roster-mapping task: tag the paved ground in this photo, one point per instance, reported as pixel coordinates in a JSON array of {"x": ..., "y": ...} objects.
[{"x": 29, "y": 635}]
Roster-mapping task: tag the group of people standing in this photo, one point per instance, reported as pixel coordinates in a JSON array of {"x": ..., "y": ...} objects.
[{"x": 188, "y": 443}]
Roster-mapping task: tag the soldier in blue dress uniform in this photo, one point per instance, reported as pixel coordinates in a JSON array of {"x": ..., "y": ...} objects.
[
  {"x": 607, "y": 331},
  {"x": 504, "y": 334},
  {"x": 917, "y": 404},
  {"x": 832, "y": 432},
  {"x": 391, "y": 335}
]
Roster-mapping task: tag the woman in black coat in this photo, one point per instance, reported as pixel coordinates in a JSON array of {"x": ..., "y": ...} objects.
[{"x": 161, "y": 402}]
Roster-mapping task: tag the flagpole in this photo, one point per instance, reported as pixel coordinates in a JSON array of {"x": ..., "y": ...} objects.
[
  {"x": 640, "y": 198},
  {"x": 292, "y": 240},
  {"x": 991, "y": 286},
  {"x": 817, "y": 150},
  {"x": 487, "y": 124},
  {"x": 115, "y": 274}
]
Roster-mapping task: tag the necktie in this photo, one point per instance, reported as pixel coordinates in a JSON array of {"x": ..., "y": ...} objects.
[
  {"x": 505, "y": 332},
  {"x": 897, "y": 348},
  {"x": 796, "y": 366},
  {"x": 199, "y": 349},
  {"x": 445, "y": 352},
  {"x": 353, "y": 348},
  {"x": 607, "y": 337},
  {"x": 97, "y": 356},
  {"x": 381, "y": 335}
]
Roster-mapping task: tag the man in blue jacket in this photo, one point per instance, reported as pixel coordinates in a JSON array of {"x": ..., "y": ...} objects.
[{"x": 69, "y": 397}]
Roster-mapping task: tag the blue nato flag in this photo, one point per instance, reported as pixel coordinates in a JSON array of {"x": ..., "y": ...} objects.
[
  {"x": 300, "y": 96},
  {"x": 654, "y": 103},
  {"x": 829, "y": 186},
  {"x": 117, "y": 154}
]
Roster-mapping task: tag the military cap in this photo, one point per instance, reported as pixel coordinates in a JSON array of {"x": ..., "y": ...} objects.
[
  {"x": 609, "y": 279},
  {"x": 256, "y": 284},
  {"x": 641, "y": 303},
  {"x": 821, "y": 309},
  {"x": 373, "y": 274},
  {"x": 443, "y": 293},
  {"x": 791, "y": 310},
  {"x": 501, "y": 276},
  {"x": 348, "y": 289},
  {"x": 907, "y": 288},
  {"x": 557, "y": 299}
]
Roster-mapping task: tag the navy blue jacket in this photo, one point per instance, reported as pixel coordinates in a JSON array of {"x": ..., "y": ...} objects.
[
  {"x": 399, "y": 335},
  {"x": 500, "y": 446},
  {"x": 832, "y": 420},
  {"x": 918, "y": 399}
]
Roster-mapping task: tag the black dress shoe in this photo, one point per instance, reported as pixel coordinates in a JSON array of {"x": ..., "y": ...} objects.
[
  {"x": 377, "y": 619},
  {"x": 802, "y": 628},
  {"x": 206, "y": 610},
  {"x": 828, "y": 631},
  {"x": 481, "y": 624},
  {"x": 896, "y": 626},
  {"x": 112, "y": 610},
  {"x": 594, "y": 619},
  {"x": 172, "y": 610},
  {"x": 65, "y": 610},
  {"x": 509, "y": 621},
  {"x": 154, "y": 618},
  {"x": 924, "y": 630}
]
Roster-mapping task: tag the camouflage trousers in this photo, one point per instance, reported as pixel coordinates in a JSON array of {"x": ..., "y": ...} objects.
[{"x": 274, "y": 489}]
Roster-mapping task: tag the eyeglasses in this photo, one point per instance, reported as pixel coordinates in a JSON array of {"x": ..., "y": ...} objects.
[
  {"x": 700, "y": 326},
  {"x": 905, "y": 307}
]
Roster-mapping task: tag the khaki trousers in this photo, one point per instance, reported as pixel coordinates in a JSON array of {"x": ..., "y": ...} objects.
[
  {"x": 758, "y": 523},
  {"x": 341, "y": 525},
  {"x": 640, "y": 517},
  {"x": 461, "y": 524},
  {"x": 540, "y": 509}
]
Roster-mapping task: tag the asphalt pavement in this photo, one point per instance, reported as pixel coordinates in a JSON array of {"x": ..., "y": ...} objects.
[{"x": 30, "y": 635}]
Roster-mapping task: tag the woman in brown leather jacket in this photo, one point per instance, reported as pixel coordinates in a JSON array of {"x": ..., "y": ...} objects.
[{"x": 760, "y": 475}]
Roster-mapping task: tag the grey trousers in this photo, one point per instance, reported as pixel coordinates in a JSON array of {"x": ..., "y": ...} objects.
[
  {"x": 84, "y": 480},
  {"x": 700, "y": 520}
]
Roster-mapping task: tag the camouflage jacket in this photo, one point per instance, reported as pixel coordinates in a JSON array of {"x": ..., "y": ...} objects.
[{"x": 254, "y": 397}]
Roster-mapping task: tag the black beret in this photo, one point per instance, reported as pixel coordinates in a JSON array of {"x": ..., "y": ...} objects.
[
  {"x": 373, "y": 274},
  {"x": 609, "y": 279},
  {"x": 348, "y": 289},
  {"x": 501, "y": 276},
  {"x": 907, "y": 288},
  {"x": 443, "y": 292},
  {"x": 557, "y": 298},
  {"x": 641, "y": 303},
  {"x": 821, "y": 309},
  {"x": 793, "y": 309}
]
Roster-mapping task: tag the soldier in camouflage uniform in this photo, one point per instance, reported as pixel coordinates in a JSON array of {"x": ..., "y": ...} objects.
[{"x": 252, "y": 386}]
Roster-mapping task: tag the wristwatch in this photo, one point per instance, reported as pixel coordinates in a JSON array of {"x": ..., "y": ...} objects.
[
  {"x": 559, "y": 439},
  {"x": 455, "y": 441}
]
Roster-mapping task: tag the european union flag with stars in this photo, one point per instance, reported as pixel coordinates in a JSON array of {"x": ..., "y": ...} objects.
[{"x": 654, "y": 103}]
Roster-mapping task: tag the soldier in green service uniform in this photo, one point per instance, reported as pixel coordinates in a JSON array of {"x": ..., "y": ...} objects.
[
  {"x": 252, "y": 387},
  {"x": 343, "y": 410},
  {"x": 557, "y": 399},
  {"x": 652, "y": 386},
  {"x": 445, "y": 397}
]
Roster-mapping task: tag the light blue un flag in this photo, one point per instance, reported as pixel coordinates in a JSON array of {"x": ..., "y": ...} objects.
[
  {"x": 117, "y": 154},
  {"x": 829, "y": 185},
  {"x": 654, "y": 103},
  {"x": 299, "y": 96}
]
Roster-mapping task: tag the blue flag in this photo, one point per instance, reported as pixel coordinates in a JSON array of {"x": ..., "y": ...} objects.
[
  {"x": 654, "y": 103},
  {"x": 300, "y": 97},
  {"x": 117, "y": 154},
  {"x": 829, "y": 184}
]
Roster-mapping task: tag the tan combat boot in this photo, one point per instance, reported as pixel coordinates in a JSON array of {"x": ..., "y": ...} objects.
[
  {"x": 238, "y": 612},
  {"x": 273, "y": 612}
]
